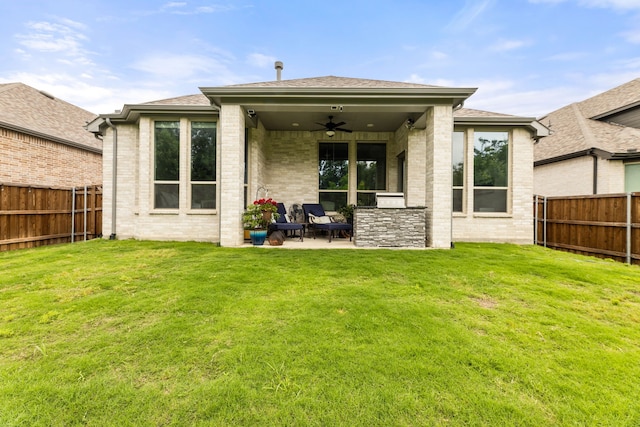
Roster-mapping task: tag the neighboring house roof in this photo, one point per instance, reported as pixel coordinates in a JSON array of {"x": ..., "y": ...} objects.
[
  {"x": 34, "y": 112},
  {"x": 579, "y": 128}
]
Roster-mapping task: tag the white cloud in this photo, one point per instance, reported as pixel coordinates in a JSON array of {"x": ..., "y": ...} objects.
[
  {"x": 507, "y": 45},
  {"x": 56, "y": 38},
  {"x": 468, "y": 14},
  {"x": 613, "y": 4},
  {"x": 165, "y": 66},
  {"x": 260, "y": 60},
  {"x": 566, "y": 56},
  {"x": 632, "y": 36}
]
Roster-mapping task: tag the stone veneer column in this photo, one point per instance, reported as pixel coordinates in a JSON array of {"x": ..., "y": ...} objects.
[
  {"x": 231, "y": 185},
  {"x": 438, "y": 175}
]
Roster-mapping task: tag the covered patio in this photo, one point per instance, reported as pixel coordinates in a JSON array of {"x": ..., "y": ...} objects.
[{"x": 337, "y": 141}]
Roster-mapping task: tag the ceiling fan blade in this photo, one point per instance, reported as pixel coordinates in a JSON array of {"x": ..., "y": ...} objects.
[
  {"x": 343, "y": 130},
  {"x": 339, "y": 124},
  {"x": 321, "y": 124}
]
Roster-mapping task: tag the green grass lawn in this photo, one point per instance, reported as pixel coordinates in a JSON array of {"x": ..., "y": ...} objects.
[{"x": 124, "y": 333}]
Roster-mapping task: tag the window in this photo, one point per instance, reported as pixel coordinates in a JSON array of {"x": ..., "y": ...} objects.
[
  {"x": 203, "y": 165},
  {"x": 372, "y": 172},
  {"x": 490, "y": 171},
  {"x": 632, "y": 177},
  {"x": 166, "y": 165},
  {"x": 333, "y": 171},
  {"x": 196, "y": 187},
  {"x": 457, "y": 157}
]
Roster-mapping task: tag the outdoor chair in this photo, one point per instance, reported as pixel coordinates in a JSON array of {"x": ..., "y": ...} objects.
[
  {"x": 283, "y": 224},
  {"x": 317, "y": 219}
]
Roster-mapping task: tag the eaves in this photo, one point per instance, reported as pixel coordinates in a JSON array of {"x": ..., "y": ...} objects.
[{"x": 51, "y": 138}]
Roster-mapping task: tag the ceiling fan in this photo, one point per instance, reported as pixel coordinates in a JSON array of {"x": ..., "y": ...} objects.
[{"x": 331, "y": 127}]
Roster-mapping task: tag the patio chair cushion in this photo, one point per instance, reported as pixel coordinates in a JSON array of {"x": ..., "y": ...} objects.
[{"x": 325, "y": 219}]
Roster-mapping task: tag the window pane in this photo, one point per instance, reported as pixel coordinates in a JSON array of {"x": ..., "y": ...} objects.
[
  {"x": 490, "y": 161},
  {"x": 167, "y": 151},
  {"x": 457, "y": 199},
  {"x": 203, "y": 151},
  {"x": 632, "y": 178},
  {"x": 333, "y": 201},
  {"x": 372, "y": 167},
  {"x": 458, "y": 159},
  {"x": 366, "y": 199},
  {"x": 203, "y": 196},
  {"x": 333, "y": 167},
  {"x": 490, "y": 200},
  {"x": 166, "y": 196}
]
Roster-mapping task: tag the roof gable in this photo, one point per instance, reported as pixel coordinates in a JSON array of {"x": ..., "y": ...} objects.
[{"x": 29, "y": 110}]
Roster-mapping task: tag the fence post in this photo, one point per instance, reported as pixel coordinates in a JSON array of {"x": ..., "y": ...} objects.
[
  {"x": 628, "y": 228},
  {"x": 535, "y": 220},
  {"x": 73, "y": 213},
  {"x": 85, "y": 213},
  {"x": 544, "y": 221}
]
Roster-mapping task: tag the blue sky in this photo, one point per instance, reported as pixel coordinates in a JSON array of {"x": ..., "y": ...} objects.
[{"x": 527, "y": 57}]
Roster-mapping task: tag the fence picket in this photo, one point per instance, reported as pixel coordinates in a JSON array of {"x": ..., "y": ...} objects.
[
  {"x": 606, "y": 226},
  {"x": 35, "y": 216}
]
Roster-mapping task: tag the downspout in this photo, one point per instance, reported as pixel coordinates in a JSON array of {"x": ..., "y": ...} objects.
[
  {"x": 114, "y": 178},
  {"x": 595, "y": 170}
]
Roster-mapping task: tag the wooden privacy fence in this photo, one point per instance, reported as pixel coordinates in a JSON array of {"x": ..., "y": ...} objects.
[
  {"x": 606, "y": 225},
  {"x": 35, "y": 216}
]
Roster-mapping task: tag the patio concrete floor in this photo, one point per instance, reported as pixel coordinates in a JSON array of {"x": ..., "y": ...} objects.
[{"x": 320, "y": 242}]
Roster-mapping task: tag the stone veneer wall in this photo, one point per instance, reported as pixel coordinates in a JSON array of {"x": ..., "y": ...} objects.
[{"x": 390, "y": 227}]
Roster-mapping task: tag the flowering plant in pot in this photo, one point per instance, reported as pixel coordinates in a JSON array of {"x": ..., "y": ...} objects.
[{"x": 258, "y": 216}]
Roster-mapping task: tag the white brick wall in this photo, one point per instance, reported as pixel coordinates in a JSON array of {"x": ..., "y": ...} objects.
[
  {"x": 135, "y": 216},
  {"x": 515, "y": 226},
  {"x": 574, "y": 177},
  {"x": 287, "y": 164}
]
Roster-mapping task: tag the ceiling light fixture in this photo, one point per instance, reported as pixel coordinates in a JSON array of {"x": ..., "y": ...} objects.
[{"x": 331, "y": 133}]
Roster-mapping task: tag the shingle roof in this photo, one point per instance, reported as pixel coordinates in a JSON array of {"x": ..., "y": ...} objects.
[
  {"x": 197, "y": 99},
  {"x": 33, "y": 111},
  {"x": 573, "y": 130},
  {"x": 470, "y": 112},
  {"x": 334, "y": 82},
  {"x": 616, "y": 98}
]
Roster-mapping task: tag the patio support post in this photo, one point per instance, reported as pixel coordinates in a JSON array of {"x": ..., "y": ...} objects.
[
  {"x": 439, "y": 178},
  {"x": 232, "y": 133}
]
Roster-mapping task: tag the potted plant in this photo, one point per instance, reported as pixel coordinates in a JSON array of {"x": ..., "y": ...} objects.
[
  {"x": 347, "y": 212},
  {"x": 257, "y": 218}
]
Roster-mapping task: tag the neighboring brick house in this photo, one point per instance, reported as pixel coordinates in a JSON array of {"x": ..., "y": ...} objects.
[
  {"x": 594, "y": 146},
  {"x": 43, "y": 142},
  {"x": 188, "y": 166}
]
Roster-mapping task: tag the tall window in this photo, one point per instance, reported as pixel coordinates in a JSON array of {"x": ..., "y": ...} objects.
[
  {"x": 372, "y": 172},
  {"x": 166, "y": 165},
  {"x": 203, "y": 165},
  {"x": 457, "y": 157},
  {"x": 490, "y": 171},
  {"x": 333, "y": 171}
]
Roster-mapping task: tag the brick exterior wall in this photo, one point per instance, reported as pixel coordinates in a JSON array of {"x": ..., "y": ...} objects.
[
  {"x": 516, "y": 226},
  {"x": 30, "y": 160},
  {"x": 574, "y": 177},
  {"x": 135, "y": 214},
  {"x": 287, "y": 164},
  {"x": 390, "y": 227}
]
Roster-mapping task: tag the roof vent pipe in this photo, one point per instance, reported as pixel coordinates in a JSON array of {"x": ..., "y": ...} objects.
[{"x": 279, "y": 68}]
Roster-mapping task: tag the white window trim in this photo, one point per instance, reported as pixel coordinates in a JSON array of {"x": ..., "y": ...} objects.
[{"x": 184, "y": 173}]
